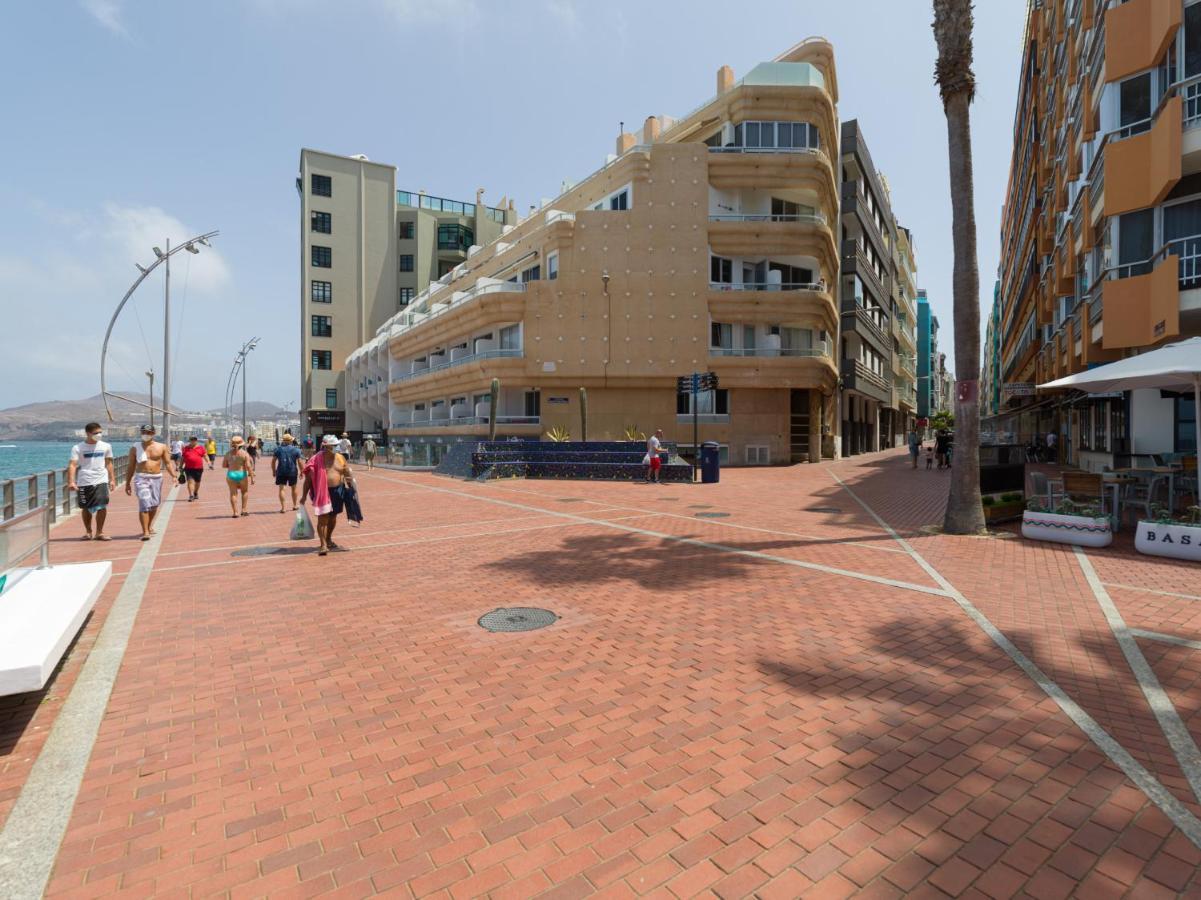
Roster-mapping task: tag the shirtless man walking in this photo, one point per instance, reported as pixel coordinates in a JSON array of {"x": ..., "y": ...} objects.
[
  {"x": 326, "y": 478},
  {"x": 239, "y": 475},
  {"x": 144, "y": 474}
]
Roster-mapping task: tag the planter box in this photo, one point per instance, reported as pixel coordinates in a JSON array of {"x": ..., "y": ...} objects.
[
  {"x": 1178, "y": 541},
  {"x": 1084, "y": 531}
]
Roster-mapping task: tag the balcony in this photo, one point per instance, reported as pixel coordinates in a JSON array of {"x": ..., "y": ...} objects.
[
  {"x": 858, "y": 377},
  {"x": 779, "y": 167},
  {"x": 1141, "y": 305},
  {"x": 866, "y": 326},
  {"x": 772, "y": 286},
  {"x": 764, "y": 234},
  {"x": 471, "y": 421},
  {"x": 1137, "y": 33},
  {"x": 820, "y": 351},
  {"x": 412, "y": 318},
  {"x": 1143, "y": 166},
  {"x": 421, "y": 369}
]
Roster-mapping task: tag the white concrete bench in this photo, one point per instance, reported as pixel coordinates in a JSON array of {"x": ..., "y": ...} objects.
[{"x": 41, "y": 611}]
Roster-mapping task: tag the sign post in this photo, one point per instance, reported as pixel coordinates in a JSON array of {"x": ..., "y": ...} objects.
[{"x": 694, "y": 384}]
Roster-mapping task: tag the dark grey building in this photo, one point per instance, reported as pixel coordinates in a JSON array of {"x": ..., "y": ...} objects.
[{"x": 866, "y": 289}]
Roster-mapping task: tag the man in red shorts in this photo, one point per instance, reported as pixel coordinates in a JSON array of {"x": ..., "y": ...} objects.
[{"x": 653, "y": 462}]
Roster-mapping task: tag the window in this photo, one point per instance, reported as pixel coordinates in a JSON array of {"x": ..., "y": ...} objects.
[
  {"x": 552, "y": 266},
  {"x": 708, "y": 403},
  {"x": 455, "y": 237},
  {"x": 322, "y": 292},
  {"x": 721, "y": 335},
  {"x": 1134, "y": 103},
  {"x": 323, "y": 326},
  {"x": 321, "y": 222},
  {"x": 321, "y": 185},
  {"x": 620, "y": 200},
  {"x": 445, "y": 267},
  {"x": 406, "y": 262},
  {"x": 721, "y": 270},
  {"x": 772, "y": 135},
  {"x": 406, "y": 296},
  {"x": 758, "y": 455},
  {"x": 1136, "y": 238},
  {"x": 323, "y": 359},
  {"x": 323, "y": 257},
  {"x": 331, "y": 398},
  {"x": 406, "y": 231},
  {"x": 1192, "y": 40},
  {"x": 533, "y": 404},
  {"x": 510, "y": 337},
  {"x": 1186, "y": 423},
  {"x": 795, "y": 274},
  {"x": 533, "y": 273}
]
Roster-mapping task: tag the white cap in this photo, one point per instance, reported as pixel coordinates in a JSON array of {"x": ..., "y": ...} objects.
[{"x": 329, "y": 441}]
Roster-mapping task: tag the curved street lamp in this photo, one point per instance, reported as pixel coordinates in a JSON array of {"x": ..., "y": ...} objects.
[{"x": 192, "y": 246}]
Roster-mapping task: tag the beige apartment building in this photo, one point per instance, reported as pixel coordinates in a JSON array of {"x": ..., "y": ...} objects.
[
  {"x": 704, "y": 243},
  {"x": 367, "y": 250}
]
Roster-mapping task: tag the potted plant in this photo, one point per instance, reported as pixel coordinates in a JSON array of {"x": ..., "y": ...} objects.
[
  {"x": 1073, "y": 523},
  {"x": 1002, "y": 507},
  {"x": 1168, "y": 535}
]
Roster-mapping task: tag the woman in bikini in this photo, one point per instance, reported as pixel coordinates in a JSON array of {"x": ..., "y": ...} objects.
[{"x": 239, "y": 475}]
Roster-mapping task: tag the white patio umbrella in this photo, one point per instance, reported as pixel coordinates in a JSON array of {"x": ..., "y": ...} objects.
[{"x": 1174, "y": 367}]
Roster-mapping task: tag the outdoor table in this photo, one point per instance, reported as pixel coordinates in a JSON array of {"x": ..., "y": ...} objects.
[{"x": 1149, "y": 472}]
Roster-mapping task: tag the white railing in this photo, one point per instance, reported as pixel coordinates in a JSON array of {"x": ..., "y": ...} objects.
[
  {"x": 469, "y": 420},
  {"x": 409, "y": 320},
  {"x": 1190, "y": 95},
  {"x": 810, "y": 352},
  {"x": 816, "y": 151},
  {"x": 461, "y": 361},
  {"x": 768, "y": 286},
  {"x": 803, "y": 218}
]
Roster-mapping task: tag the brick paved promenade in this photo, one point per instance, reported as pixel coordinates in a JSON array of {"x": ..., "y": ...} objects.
[{"x": 756, "y": 688}]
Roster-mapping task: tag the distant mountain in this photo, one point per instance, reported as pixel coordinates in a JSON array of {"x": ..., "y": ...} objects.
[{"x": 55, "y": 419}]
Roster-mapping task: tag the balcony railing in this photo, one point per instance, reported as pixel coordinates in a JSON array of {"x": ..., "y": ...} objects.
[
  {"x": 461, "y": 361},
  {"x": 861, "y": 371},
  {"x": 768, "y": 286},
  {"x": 1190, "y": 95},
  {"x": 412, "y": 318},
  {"x": 816, "y": 151},
  {"x": 804, "y": 218},
  {"x": 822, "y": 350}
]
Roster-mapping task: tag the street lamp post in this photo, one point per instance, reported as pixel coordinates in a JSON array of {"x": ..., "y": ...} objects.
[
  {"x": 241, "y": 361},
  {"x": 192, "y": 246},
  {"x": 150, "y": 375}
]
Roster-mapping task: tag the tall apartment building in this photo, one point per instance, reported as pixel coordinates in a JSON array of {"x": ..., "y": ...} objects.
[
  {"x": 990, "y": 364},
  {"x": 904, "y": 336},
  {"x": 867, "y": 287},
  {"x": 1101, "y": 234},
  {"x": 705, "y": 243},
  {"x": 927, "y": 358},
  {"x": 366, "y": 250}
]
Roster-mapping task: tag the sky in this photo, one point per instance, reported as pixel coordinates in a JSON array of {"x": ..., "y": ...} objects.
[{"x": 128, "y": 122}]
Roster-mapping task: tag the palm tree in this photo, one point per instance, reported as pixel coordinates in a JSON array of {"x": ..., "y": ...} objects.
[{"x": 957, "y": 85}]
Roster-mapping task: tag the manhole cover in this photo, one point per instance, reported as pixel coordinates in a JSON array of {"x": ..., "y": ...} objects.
[
  {"x": 825, "y": 509},
  {"x": 711, "y": 515},
  {"x": 520, "y": 618}
]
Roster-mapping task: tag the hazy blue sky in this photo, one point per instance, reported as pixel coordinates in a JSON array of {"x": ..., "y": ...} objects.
[{"x": 130, "y": 121}]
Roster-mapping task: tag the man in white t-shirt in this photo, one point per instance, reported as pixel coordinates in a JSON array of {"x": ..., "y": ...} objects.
[
  {"x": 344, "y": 445},
  {"x": 91, "y": 474},
  {"x": 653, "y": 462}
]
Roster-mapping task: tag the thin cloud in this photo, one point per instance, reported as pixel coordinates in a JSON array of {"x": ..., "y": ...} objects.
[{"x": 107, "y": 13}]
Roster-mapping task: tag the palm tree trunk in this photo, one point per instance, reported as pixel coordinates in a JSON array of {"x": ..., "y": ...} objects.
[{"x": 953, "y": 34}]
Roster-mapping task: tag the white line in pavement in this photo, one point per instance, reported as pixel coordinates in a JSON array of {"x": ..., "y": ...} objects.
[
  {"x": 1166, "y": 638},
  {"x": 693, "y": 542},
  {"x": 380, "y": 546},
  {"x": 1119, "y": 755},
  {"x": 1131, "y": 587},
  {"x": 1179, "y": 739},
  {"x": 34, "y": 830}
]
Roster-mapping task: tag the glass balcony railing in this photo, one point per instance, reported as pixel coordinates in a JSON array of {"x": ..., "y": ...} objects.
[
  {"x": 461, "y": 361},
  {"x": 768, "y": 286},
  {"x": 821, "y": 350},
  {"x": 803, "y": 218}
]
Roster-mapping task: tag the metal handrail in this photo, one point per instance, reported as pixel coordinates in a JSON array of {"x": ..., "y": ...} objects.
[
  {"x": 767, "y": 286},
  {"x": 462, "y": 360},
  {"x": 806, "y": 218},
  {"x": 56, "y": 497},
  {"x": 811, "y": 352}
]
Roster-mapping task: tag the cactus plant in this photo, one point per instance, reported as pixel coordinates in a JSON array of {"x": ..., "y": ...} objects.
[
  {"x": 583, "y": 414},
  {"x": 558, "y": 435},
  {"x": 493, "y": 406},
  {"x": 633, "y": 434}
]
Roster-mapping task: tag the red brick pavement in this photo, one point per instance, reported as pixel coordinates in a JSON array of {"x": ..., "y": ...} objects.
[{"x": 699, "y": 722}]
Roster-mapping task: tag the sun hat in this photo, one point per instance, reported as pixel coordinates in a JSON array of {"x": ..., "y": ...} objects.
[
  {"x": 329, "y": 441},
  {"x": 287, "y": 438}
]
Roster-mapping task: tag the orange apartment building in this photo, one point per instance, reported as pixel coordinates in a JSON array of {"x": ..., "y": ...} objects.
[
  {"x": 704, "y": 243},
  {"x": 1101, "y": 234}
]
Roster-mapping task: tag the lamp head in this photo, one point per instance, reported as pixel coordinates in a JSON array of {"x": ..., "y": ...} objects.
[
  {"x": 191, "y": 248},
  {"x": 158, "y": 252}
]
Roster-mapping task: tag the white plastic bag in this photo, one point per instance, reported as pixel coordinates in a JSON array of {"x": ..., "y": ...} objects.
[
  {"x": 646, "y": 460},
  {"x": 302, "y": 527}
]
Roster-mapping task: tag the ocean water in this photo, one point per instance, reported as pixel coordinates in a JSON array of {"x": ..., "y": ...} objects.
[{"x": 19, "y": 459}]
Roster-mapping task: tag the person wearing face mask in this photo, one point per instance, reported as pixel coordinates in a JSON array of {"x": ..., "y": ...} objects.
[
  {"x": 91, "y": 475},
  {"x": 147, "y": 462}
]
